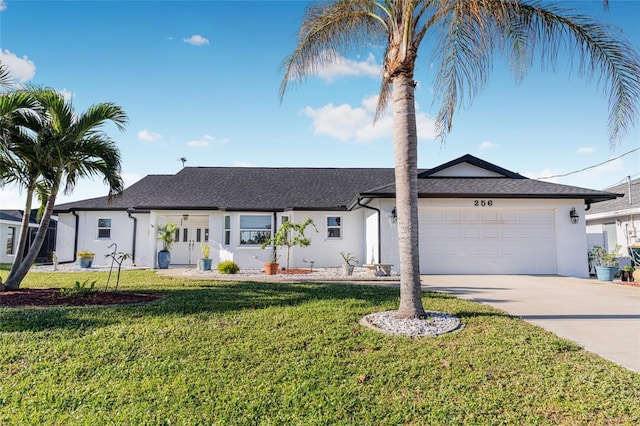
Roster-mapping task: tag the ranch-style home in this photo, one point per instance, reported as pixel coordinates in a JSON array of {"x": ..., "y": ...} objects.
[{"x": 474, "y": 217}]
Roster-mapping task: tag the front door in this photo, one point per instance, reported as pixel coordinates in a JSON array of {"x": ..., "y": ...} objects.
[{"x": 186, "y": 250}]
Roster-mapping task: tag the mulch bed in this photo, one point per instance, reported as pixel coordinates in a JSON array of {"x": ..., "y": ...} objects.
[
  {"x": 294, "y": 271},
  {"x": 627, "y": 283},
  {"x": 44, "y": 297}
]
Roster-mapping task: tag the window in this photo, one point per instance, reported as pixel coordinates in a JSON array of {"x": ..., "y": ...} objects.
[
  {"x": 185, "y": 234},
  {"x": 254, "y": 230},
  {"x": 227, "y": 230},
  {"x": 206, "y": 235},
  {"x": 104, "y": 228},
  {"x": 11, "y": 238},
  {"x": 334, "y": 227},
  {"x": 284, "y": 219},
  {"x": 198, "y": 235}
]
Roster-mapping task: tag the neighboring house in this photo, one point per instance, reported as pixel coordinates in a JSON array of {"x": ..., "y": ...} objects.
[
  {"x": 10, "y": 224},
  {"x": 475, "y": 218},
  {"x": 616, "y": 222}
]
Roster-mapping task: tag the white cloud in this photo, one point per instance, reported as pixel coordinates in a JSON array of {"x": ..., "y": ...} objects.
[
  {"x": 586, "y": 150},
  {"x": 486, "y": 145},
  {"x": 238, "y": 163},
  {"x": 345, "y": 122},
  {"x": 196, "y": 40},
  {"x": 339, "y": 66},
  {"x": 66, "y": 94},
  {"x": 22, "y": 69},
  {"x": 3, "y": 5},
  {"x": 148, "y": 136},
  {"x": 205, "y": 141}
]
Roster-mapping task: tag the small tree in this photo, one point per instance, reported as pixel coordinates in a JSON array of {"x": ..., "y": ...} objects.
[
  {"x": 166, "y": 234},
  {"x": 291, "y": 234}
]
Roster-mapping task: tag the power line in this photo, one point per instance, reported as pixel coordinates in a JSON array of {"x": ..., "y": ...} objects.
[{"x": 590, "y": 167}]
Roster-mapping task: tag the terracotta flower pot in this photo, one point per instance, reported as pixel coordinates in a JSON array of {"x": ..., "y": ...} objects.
[{"x": 271, "y": 268}]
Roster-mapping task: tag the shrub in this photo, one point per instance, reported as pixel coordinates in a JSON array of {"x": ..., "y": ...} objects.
[
  {"x": 228, "y": 267},
  {"x": 86, "y": 253},
  {"x": 79, "y": 289}
]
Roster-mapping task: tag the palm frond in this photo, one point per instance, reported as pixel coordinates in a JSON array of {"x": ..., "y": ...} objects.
[
  {"x": 331, "y": 30},
  {"x": 600, "y": 51}
]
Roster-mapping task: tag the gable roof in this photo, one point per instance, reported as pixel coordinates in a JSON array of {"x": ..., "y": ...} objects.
[
  {"x": 631, "y": 199},
  {"x": 280, "y": 189},
  {"x": 470, "y": 160}
]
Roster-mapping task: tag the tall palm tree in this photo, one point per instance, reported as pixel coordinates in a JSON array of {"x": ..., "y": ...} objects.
[
  {"x": 70, "y": 147},
  {"x": 19, "y": 113},
  {"x": 466, "y": 35}
]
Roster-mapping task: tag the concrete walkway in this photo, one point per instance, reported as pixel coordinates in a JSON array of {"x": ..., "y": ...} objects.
[{"x": 602, "y": 317}]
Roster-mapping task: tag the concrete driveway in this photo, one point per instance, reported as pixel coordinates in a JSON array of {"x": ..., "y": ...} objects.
[{"x": 602, "y": 317}]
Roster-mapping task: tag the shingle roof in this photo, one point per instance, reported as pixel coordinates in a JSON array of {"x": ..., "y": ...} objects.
[
  {"x": 463, "y": 187},
  {"x": 277, "y": 189},
  {"x": 16, "y": 216},
  {"x": 618, "y": 204},
  {"x": 245, "y": 188}
]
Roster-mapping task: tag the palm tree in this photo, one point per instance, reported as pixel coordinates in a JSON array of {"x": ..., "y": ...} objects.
[
  {"x": 70, "y": 146},
  {"x": 466, "y": 35},
  {"x": 19, "y": 113}
]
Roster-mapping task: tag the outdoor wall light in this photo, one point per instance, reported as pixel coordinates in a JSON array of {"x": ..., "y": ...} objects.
[
  {"x": 185, "y": 217},
  {"x": 394, "y": 215},
  {"x": 574, "y": 215}
]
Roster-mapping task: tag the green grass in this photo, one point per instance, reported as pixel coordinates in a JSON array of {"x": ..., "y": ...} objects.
[{"x": 250, "y": 353}]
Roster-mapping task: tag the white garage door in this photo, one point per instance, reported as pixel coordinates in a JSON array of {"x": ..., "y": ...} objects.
[{"x": 483, "y": 241}]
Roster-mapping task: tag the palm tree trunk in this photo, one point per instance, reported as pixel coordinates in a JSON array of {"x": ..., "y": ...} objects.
[
  {"x": 405, "y": 142},
  {"x": 14, "y": 282},
  {"x": 24, "y": 232}
]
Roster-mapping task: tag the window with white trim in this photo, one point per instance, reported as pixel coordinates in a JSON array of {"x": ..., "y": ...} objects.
[
  {"x": 254, "y": 229},
  {"x": 334, "y": 227},
  {"x": 104, "y": 228},
  {"x": 11, "y": 239},
  {"x": 227, "y": 230}
]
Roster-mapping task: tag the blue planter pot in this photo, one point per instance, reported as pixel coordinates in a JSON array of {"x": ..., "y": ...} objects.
[
  {"x": 85, "y": 262},
  {"x": 606, "y": 273},
  {"x": 205, "y": 264},
  {"x": 164, "y": 259}
]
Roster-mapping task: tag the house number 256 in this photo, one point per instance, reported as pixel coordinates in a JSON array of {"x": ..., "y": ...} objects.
[{"x": 483, "y": 203}]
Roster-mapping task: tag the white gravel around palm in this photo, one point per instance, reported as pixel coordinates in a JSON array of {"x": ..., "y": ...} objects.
[{"x": 436, "y": 324}]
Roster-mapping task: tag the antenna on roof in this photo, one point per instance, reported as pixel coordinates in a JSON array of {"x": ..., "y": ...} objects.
[{"x": 183, "y": 159}]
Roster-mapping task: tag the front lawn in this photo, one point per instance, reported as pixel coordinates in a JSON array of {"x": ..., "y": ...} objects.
[{"x": 250, "y": 353}]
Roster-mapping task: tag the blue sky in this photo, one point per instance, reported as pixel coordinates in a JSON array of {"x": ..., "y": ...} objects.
[{"x": 200, "y": 79}]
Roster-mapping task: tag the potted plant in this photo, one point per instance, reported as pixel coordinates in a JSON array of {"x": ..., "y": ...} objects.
[
  {"x": 85, "y": 258},
  {"x": 348, "y": 264},
  {"x": 205, "y": 262},
  {"x": 627, "y": 274},
  {"x": 606, "y": 262},
  {"x": 166, "y": 234},
  {"x": 288, "y": 235},
  {"x": 271, "y": 268}
]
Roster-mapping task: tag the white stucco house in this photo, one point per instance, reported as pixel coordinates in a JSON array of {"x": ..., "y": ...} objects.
[
  {"x": 616, "y": 222},
  {"x": 475, "y": 218},
  {"x": 10, "y": 225}
]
